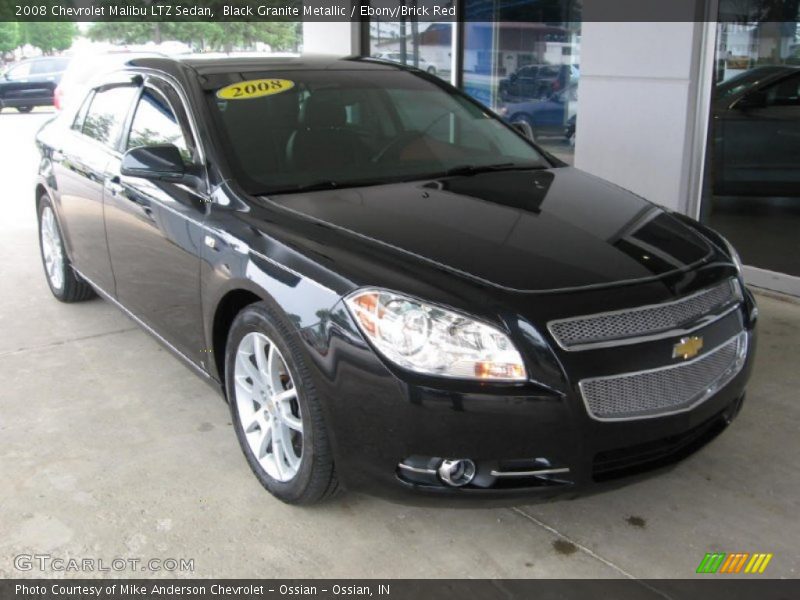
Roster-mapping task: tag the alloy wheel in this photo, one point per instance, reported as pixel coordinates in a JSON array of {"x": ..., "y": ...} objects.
[
  {"x": 52, "y": 249},
  {"x": 268, "y": 407}
]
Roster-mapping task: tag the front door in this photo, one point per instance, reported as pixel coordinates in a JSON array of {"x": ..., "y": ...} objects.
[{"x": 155, "y": 229}]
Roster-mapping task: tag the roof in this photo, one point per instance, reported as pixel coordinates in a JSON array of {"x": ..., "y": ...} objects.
[{"x": 215, "y": 63}]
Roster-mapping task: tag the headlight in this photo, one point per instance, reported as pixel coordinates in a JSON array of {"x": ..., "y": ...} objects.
[
  {"x": 737, "y": 261},
  {"x": 430, "y": 339}
]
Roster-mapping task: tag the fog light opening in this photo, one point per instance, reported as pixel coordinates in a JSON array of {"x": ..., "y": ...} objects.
[{"x": 457, "y": 472}]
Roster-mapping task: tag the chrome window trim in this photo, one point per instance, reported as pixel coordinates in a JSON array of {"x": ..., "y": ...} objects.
[
  {"x": 715, "y": 387},
  {"x": 649, "y": 337},
  {"x": 536, "y": 473}
]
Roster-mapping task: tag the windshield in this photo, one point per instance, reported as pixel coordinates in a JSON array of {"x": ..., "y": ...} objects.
[
  {"x": 325, "y": 129},
  {"x": 744, "y": 81}
]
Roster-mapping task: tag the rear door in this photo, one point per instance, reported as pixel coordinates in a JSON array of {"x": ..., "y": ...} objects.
[
  {"x": 79, "y": 166},
  {"x": 155, "y": 228},
  {"x": 14, "y": 82},
  {"x": 45, "y": 74}
]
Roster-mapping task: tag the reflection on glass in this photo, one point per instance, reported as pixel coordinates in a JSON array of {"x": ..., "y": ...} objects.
[
  {"x": 527, "y": 71},
  {"x": 426, "y": 46},
  {"x": 752, "y": 187}
]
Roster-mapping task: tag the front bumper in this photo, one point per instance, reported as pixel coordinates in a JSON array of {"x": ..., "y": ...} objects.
[{"x": 379, "y": 419}]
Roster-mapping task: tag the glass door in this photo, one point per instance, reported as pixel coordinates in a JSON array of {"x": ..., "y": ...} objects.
[{"x": 752, "y": 180}]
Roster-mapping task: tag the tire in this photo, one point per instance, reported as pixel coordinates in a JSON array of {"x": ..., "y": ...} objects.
[
  {"x": 261, "y": 331},
  {"x": 65, "y": 284},
  {"x": 24, "y": 109},
  {"x": 432, "y": 70}
]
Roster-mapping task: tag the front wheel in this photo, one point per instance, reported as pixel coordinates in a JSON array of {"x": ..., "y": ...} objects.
[
  {"x": 65, "y": 284},
  {"x": 276, "y": 413},
  {"x": 24, "y": 109}
]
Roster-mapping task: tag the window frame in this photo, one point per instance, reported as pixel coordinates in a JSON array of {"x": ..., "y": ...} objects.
[
  {"x": 80, "y": 115},
  {"x": 168, "y": 86},
  {"x": 187, "y": 133},
  {"x": 111, "y": 145}
]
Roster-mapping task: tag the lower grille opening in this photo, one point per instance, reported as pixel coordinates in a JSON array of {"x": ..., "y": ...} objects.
[{"x": 624, "y": 462}]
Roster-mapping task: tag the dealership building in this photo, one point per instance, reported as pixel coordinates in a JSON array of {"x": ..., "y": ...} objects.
[{"x": 701, "y": 116}]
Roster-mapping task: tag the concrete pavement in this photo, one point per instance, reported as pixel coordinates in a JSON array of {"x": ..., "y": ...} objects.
[{"x": 109, "y": 447}]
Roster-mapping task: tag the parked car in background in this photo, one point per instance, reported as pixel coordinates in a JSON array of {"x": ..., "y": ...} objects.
[
  {"x": 546, "y": 117},
  {"x": 31, "y": 83},
  {"x": 569, "y": 132},
  {"x": 398, "y": 58},
  {"x": 83, "y": 68},
  {"x": 534, "y": 82},
  {"x": 756, "y": 117}
]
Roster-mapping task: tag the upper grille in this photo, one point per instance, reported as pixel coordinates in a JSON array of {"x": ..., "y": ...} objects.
[
  {"x": 665, "y": 390},
  {"x": 573, "y": 333}
]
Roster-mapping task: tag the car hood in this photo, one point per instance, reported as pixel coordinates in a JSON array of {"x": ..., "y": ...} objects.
[{"x": 532, "y": 230}]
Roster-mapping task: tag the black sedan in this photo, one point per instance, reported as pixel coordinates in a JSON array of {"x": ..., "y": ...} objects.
[
  {"x": 394, "y": 290},
  {"x": 756, "y": 132},
  {"x": 31, "y": 83}
]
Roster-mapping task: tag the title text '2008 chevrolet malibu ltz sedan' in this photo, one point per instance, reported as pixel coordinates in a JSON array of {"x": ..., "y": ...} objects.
[{"x": 395, "y": 291}]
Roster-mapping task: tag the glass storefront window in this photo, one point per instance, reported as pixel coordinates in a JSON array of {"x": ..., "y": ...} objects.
[
  {"x": 424, "y": 45},
  {"x": 527, "y": 72},
  {"x": 752, "y": 179}
]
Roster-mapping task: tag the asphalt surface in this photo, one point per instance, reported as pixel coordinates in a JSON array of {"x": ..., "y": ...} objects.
[{"x": 109, "y": 448}]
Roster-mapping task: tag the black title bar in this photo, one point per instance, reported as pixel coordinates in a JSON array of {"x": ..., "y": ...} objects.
[
  {"x": 705, "y": 587},
  {"x": 560, "y": 11}
]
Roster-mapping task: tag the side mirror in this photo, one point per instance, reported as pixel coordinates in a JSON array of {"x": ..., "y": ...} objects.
[
  {"x": 757, "y": 99},
  {"x": 524, "y": 128},
  {"x": 160, "y": 163}
]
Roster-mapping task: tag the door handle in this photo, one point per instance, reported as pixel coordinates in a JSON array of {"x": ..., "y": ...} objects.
[{"x": 113, "y": 185}]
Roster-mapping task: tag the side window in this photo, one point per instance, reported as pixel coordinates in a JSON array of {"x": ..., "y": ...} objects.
[
  {"x": 784, "y": 93},
  {"x": 80, "y": 116},
  {"x": 155, "y": 123},
  {"x": 107, "y": 114},
  {"x": 45, "y": 65},
  {"x": 19, "y": 72}
]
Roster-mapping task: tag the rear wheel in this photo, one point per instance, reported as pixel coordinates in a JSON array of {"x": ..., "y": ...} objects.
[
  {"x": 24, "y": 109},
  {"x": 276, "y": 413},
  {"x": 65, "y": 284}
]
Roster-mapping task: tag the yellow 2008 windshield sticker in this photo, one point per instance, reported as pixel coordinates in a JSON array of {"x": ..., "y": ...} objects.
[{"x": 255, "y": 88}]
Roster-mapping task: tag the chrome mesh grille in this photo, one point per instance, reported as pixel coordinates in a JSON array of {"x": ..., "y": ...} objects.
[
  {"x": 645, "y": 320},
  {"x": 665, "y": 390}
]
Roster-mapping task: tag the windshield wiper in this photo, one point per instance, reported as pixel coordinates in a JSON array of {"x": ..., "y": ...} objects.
[
  {"x": 476, "y": 169},
  {"x": 325, "y": 184}
]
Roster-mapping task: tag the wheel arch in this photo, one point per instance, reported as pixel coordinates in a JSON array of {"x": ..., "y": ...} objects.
[
  {"x": 229, "y": 305},
  {"x": 41, "y": 190}
]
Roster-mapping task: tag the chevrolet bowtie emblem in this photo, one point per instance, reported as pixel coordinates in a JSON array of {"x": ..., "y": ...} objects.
[{"x": 687, "y": 348}]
